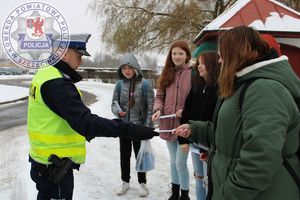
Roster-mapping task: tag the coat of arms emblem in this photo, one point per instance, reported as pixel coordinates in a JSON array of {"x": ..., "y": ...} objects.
[
  {"x": 28, "y": 34},
  {"x": 35, "y": 27}
]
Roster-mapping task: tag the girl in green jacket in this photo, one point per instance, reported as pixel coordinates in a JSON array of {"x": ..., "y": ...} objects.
[{"x": 250, "y": 141}]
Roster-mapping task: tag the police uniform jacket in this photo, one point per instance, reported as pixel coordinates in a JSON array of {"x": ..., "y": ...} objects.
[{"x": 63, "y": 98}]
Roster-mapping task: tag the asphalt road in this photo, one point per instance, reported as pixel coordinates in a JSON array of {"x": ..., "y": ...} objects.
[{"x": 15, "y": 114}]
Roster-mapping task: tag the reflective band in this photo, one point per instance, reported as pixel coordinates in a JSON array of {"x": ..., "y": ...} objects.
[
  {"x": 57, "y": 138},
  {"x": 70, "y": 152}
]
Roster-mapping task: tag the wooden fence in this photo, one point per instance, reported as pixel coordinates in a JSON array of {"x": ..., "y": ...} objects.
[{"x": 110, "y": 75}]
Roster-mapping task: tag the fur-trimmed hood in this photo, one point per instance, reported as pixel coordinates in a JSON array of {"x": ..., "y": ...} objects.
[{"x": 277, "y": 69}]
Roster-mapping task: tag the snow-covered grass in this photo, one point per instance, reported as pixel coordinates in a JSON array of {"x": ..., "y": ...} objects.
[
  {"x": 99, "y": 177},
  {"x": 9, "y": 93}
]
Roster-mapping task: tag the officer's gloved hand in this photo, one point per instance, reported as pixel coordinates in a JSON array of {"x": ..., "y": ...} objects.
[{"x": 139, "y": 132}]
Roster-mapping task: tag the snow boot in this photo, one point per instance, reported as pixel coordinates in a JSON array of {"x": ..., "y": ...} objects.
[
  {"x": 184, "y": 195},
  {"x": 175, "y": 192}
]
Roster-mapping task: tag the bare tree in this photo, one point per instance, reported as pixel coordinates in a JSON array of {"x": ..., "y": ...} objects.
[
  {"x": 143, "y": 25},
  {"x": 221, "y": 5},
  {"x": 295, "y": 4},
  {"x": 148, "y": 62},
  {"x": 87, "y": 62}
]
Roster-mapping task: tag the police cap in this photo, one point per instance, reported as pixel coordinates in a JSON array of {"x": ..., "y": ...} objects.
[{"x": 78, "y": 43}]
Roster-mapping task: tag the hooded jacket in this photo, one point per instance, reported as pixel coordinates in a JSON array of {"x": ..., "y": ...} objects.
[
  {"x": 141, "y": 112},
  {"x": 251, "y": 142}
]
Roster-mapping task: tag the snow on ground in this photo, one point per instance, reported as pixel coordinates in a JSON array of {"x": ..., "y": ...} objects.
[
  {"x": 10, "y": 77},
  {"x": 99, "y": 177},
  {"x": 9, "y": 93}
]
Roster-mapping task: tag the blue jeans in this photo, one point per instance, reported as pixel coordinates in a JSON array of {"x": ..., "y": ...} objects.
[
  {"x": 178, "y": 164},
  {"x": 198, "y": 172}
]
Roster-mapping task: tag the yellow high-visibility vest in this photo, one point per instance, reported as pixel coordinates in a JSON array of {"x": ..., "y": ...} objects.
[{"x": 48, "y": 132}]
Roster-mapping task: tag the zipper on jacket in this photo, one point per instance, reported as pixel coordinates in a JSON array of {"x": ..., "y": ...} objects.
[
  {"x": 211, "y": 153},
  {"x": 59, "y": 192},
  {"x": 212, "y": 149},
  {"x": 128, "y": 111}
]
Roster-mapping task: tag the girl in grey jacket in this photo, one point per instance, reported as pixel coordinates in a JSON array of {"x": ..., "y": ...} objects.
[{"x": 132, "y": 101}]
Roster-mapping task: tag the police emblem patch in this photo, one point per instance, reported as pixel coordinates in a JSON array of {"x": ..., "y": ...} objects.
[{"x": 28, "y": 32}]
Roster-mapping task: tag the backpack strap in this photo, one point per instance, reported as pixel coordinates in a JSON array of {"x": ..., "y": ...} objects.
[
  {"x": 145, "y": 85},
  {"x": 145, "y": 88},
  {"x": 244, "y": 89},
  {"x": 293, "y": 174},
  {"x": 118, "y": 86}
]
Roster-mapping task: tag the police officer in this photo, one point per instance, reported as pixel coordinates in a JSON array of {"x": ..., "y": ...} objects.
[{"x": 59, "y": 124}]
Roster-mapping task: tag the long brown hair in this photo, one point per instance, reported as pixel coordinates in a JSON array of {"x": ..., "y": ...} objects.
[
  {"x": 212, "y": 66},
  {"x": 239, "y": 47},
  {"x": 168, "y": 73}
]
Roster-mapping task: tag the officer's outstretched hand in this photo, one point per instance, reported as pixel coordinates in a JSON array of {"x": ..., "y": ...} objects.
[{"x": 139, "y": 132}]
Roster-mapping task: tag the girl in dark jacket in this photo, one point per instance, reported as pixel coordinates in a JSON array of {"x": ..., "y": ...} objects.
[{"x": 200, "y": 104}]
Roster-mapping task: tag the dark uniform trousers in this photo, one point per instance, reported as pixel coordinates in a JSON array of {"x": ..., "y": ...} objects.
[
  {"x": 125, "y": 153},
  {"x": 48, "y": 190}
]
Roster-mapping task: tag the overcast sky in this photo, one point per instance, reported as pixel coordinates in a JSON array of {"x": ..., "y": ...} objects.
[{"x": 74, "y": 12}]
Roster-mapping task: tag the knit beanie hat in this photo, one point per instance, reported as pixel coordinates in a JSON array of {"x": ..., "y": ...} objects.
[
  {"x": 208, "y": 46},
  {"x": 271, "y": 42}
]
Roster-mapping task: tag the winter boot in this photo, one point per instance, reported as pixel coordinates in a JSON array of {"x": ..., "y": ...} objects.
[
  {"x": 184, "y": 195},
  {"x": 175, "y": 192}
]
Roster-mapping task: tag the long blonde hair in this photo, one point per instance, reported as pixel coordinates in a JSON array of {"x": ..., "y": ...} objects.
[{"x": 239, "y": 47}]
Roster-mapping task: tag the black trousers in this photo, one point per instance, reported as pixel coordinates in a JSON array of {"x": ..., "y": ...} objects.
[
  {"x": 125, "y": 154},
  {"x": 48, "y": 190}
]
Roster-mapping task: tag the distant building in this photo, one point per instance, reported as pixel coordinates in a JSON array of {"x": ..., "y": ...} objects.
[{"x": 109, "y": 75}]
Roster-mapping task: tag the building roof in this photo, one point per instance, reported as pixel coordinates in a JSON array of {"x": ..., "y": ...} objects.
[{"x": 264, "y": 15}]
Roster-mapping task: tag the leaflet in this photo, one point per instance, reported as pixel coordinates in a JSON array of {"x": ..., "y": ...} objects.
[
  {"x": 118, "y": 106},
  {"x": 197, "y": 150},
  {"x": 165, "y": 131},
  {"x": 167, "y": 116}
]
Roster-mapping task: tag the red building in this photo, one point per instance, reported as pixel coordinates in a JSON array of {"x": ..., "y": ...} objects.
[{"x": 267, "y": 16}]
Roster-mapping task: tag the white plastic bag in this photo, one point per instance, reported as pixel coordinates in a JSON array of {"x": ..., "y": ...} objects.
[{"x": 145, "y": 160}]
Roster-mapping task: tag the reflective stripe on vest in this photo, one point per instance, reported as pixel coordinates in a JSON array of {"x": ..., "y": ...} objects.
[{"x": 48, "y": 132}]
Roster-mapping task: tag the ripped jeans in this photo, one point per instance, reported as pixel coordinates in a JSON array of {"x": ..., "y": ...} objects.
[{"x": 200, "y": 169}]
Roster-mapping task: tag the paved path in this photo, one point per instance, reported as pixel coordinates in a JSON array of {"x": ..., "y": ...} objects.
[{"x": 15, "y": 114}]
